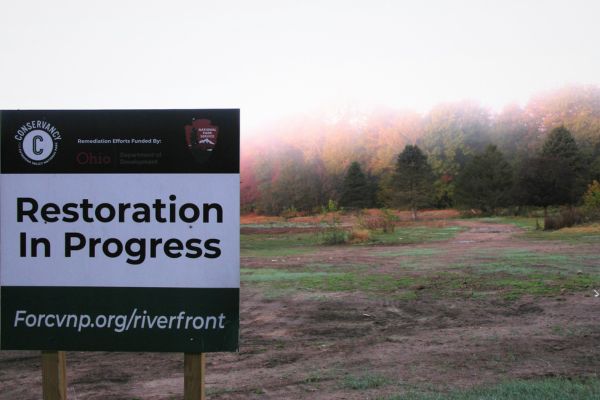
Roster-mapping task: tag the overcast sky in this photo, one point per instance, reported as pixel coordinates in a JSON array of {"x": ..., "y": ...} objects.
[{"x": 278, "y": 58}]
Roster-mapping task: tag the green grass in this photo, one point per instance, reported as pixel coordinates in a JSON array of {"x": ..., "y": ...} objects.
[
  {"x": 546, "y": 285},
  {"x": 576, "y": 235},
  {"x": 280, "y": 224},
  {"x": 526, "y": 223},
  {"x": 542, "y": 389},
  {"x": 416, "y": 234},
  {"x": 409, "y": 253},
  {"x": 423, "y": 272},
  {"x": 524, "y": 260},
  {"x": 278, "y": 280},
  {"x": 320, "y": 375},
  {"x": 511, "y": 286},
  {"x": 283, "y": 245},
  {"x": 364, "y": 382}
]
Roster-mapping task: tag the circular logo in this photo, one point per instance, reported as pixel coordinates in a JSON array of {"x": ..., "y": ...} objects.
[
  {"x": 38, "y": 142},
  {"x": 37, "y": 145}
]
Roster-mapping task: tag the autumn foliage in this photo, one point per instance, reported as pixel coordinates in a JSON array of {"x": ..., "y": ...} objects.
[{"x": 301, "y": 164}]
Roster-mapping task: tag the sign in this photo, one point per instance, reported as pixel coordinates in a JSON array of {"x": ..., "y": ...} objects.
[{"x": 119, "y": 230}]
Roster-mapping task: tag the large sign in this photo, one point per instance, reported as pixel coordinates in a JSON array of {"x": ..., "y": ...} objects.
[{"x": 119, "y": 230}]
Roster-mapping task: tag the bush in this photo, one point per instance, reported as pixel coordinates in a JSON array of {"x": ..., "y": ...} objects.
[
  {"x": 564, "y": 219},
  {"x": 290, "y": 212},
  {"x": 591, "y": 198},
  {"x": 370, "y": 222},
  {"x": 386, "y": 221},
  {"x": 334, "y": 236},
  {"x": 389, "y": 220},
  {"x": 333, "y": 233},
  {"x": 359, "y": 236}
]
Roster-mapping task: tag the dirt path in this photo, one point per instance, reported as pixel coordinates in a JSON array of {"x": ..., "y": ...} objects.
[{"x": 313, "y": 345}]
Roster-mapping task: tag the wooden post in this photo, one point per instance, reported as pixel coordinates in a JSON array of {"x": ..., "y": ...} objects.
[
  {"x": 193, "y": 376},
  {"x": 54, "y": 375}
]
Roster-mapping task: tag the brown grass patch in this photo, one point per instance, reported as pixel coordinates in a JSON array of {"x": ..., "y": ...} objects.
[
  {"x": 359, "y": 236},
  {"x": 585, "y": 229}
]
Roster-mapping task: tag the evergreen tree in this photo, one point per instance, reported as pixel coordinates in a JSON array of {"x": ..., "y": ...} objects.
[
  {"x": 414, "y": 180},
  {"x": 561, "y": 144},
  {"x": 544, "y": 181},
  {"x": 561, "y": 147},
  {"x": 356, "y": 191},
  {"x": 485, "y": 182}
]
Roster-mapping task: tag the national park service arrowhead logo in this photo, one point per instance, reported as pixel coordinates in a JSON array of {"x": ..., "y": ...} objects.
[
  {"x": 201, "y": 135},
  {"x": 201, "y": 138}
]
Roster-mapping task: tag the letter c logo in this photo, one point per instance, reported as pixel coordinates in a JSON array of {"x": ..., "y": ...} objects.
[{"x": 37, "y": 151}]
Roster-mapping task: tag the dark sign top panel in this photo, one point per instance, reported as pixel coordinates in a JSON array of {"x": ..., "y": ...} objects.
[{"x": 120, "y": 141}]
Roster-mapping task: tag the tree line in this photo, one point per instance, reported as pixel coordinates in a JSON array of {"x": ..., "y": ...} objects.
[
  {"x": 457, "y": 155},
  {"x": 556, "y": 175}
]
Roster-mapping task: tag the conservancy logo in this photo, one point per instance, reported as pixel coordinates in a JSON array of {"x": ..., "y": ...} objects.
[
  {"x": 201, "y": 138},
  {"x": 38, "y": 141}
]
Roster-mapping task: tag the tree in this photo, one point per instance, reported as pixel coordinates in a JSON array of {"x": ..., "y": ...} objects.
[
  {"x": 485, "y": 182},
  {"x": 356, "y": 191},
  {"x": 452, "y": 133},
  {"x": 561, "y": 147},
  {"x": 561, "y": 144},
  {"x": 544, "y": 181},
  {"x": 414, "y": 179}
]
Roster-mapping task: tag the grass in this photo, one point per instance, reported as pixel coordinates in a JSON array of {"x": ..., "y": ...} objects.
[
  {"x": 269, "y": 245},
  {"x": 526, "y": 223},
  {"x": 546, "y": 285},
  {"x": 280, "y": 224},
  {"x": 320, "y": 375},
  {"x": 364, "y": 382},
  {"x": 409, "y": 253},
  {"x": 283, "y": 245},
  {"x": 415, "y": 235},
  {"x": 589, "y": 233},
  {"x": 433, "y": 284},
  {"x": 423, "y": 272},
  {"x": 542, "y": 389},
  {"x": 278, "y": 280},
  {"x": 524, "y": 260}
]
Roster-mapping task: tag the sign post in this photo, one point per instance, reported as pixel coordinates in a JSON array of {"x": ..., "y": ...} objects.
[
  {"x": 193, "y": 376},
  {"x": 54, "y": 375},
  {"x": 120, "y": 232}
]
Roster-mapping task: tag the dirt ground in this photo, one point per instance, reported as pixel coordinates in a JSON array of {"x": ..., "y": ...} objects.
[{"x": 304, "y": 346}]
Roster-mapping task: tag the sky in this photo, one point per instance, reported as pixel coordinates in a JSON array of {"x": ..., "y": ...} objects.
[{"x": 276, "y": 58}]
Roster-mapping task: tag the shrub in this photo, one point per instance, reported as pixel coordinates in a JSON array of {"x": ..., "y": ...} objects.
[
  {"x": 331, "y": 206},
  {"x": 564, "y": 219},
  {"x": 591, "y": 198},
  {"x": 290, "y": 212},
  {"x": 386, "y": 221},
  {"x": 371, "y": 222},
  {"x": 333, "y": 233},
  {"x": 389, "y": 220},
  {"x": 359, "y": 236}
]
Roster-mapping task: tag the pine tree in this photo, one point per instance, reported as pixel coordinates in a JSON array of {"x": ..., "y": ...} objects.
[
  {"x": 355, "y": 188},
  {"x": 561, "y": 147},
  {"x": 544, "y": 181},
  {"x": 414, "y": 179},
  {"x": 485, "y": 182}
]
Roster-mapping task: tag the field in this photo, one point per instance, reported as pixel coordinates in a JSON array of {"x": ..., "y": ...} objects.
[{"x": 441, "y": 308}]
